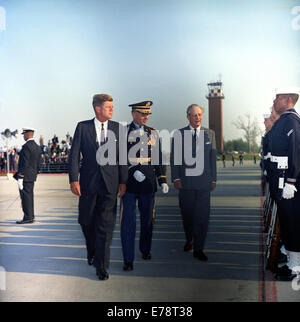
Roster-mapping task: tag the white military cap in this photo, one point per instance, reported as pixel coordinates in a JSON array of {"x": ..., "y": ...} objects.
[
  {"x": 287, "y": 90},
  {"x": 27, "y": 129}
]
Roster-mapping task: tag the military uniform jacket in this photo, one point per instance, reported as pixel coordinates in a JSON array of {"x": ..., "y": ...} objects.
[
  {"x": 147, "y": 159},
  {"x": 29, "y": 162},
  {"x": 266, "y": 151},
  {"x": 285, "y": 141},
  {"x": 209, "y": 175}
]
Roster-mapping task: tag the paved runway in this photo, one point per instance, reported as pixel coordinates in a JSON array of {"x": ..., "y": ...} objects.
[{"x": 46, "y": 261}]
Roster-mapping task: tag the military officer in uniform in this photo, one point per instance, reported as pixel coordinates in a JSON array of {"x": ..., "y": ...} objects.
[
  {"x": 28, "y": 168},
  {"x": 284, "y": 176},
  {"x": 141, "y": 186}
]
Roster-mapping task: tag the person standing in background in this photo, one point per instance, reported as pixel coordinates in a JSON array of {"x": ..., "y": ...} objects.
[{"x": 28, "y": 168}]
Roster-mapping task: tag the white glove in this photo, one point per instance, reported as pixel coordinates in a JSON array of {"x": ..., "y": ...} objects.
[
  {"x": 288, "y": 191},
  {"x": 164, "y": 188},
  {"x": 20, "y": 184},
  {"x": 139, "y": 176}
]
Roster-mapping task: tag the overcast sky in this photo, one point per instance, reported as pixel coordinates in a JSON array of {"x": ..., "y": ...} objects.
[{"x": 56, "y": 54}]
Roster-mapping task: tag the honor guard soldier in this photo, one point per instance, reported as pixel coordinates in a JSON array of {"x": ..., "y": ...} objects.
[
  {"x": 28, "y": 168},
  {"x": 269, "y": 120},
  {"x": 264, "y": 152},
  {"x": 284, "y": 177},
  {"x": 144, "y": 171}
]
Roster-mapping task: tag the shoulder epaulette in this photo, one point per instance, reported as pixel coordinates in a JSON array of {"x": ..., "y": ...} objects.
[{"x": 149, "y": 129}]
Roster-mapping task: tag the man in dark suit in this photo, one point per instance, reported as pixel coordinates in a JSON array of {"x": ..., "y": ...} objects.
[
  {"x": 28, "y": 168},
  {"x": 99, "y": 183},
  {"x": 194, "y": 185},
  {"x": 144, "y": 173}
]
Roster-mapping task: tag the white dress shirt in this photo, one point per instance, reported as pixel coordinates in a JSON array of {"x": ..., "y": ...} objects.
[
  {"x": 197, "y": 130},
  {"x": 98, "y": 126}
]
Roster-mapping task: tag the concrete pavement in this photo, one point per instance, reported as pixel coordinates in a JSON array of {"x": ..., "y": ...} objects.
[{"x": 46, "y": 261}]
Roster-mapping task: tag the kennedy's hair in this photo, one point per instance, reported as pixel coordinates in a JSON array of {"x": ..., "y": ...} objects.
[
  {"x": 188, "y": 111},
  {"x": 99, "y": 99}
]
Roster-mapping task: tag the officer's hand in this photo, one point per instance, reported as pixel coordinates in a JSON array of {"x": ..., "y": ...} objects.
[
  {"x": 122, "y": 189},
  {"x": 20, "y": 184},
  {"x": 164, "y": 188},
  {"x": 178, "y": 184},
  {"x": 213, "y": 186},
  {"x": 288, "y": 191},
  {"x": 75, "y": 188}
]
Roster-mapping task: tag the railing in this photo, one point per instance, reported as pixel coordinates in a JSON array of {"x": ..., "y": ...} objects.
[
  {"x": 45, "y": 168},
  {"x": 54, "y": 168}
]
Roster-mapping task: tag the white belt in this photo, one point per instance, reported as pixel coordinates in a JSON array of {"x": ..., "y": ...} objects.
[{"x": 282, "y": 162}]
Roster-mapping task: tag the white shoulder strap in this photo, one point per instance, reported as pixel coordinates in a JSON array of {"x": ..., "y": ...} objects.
[{"x": 295, "y": 113}]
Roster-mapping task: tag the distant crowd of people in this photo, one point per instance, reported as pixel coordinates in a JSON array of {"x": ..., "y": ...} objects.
[
  {"x": 54, "y": 152},
  {"x": 13, "y": 157}
]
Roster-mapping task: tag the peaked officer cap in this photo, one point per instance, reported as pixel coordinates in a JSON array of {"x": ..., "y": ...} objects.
[
  {"x": 27, "y": 129},
  {"x": 142, "y": 107}
]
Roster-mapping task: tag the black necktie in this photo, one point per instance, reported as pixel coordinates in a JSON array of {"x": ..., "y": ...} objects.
[
  {"x": 195, "y": 135},
  {"x": 194, "y": 143},
  {"x": 102, "y": 136}
]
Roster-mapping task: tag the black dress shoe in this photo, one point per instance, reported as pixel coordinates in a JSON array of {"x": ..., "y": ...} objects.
[
  {"x": 284, "y": 274},
  {"x": 146, "y": 256},
  {"x": 102, "y": 274},
  {"x": 90, "y": 260},
  {"x": 200, "y": 255},
  {"x": 188, "y": 247},
  {"x": 26, "y": 221},
  {"x": 128, "y": 266}
]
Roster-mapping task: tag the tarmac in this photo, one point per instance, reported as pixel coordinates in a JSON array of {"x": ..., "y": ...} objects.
[{"x": 46, "y": 261}]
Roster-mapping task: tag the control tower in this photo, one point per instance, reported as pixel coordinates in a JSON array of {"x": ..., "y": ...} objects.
[{"x": 215, "y": 97}]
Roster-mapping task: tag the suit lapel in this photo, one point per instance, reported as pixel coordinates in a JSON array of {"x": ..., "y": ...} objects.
[
  {"x": 92, "y": 133},
  {"x": 110, "y": 126}
]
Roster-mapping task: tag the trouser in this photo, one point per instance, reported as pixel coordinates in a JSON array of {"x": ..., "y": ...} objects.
[
  {"x": 146, "y": 203},
  {"x": 27, "y": 200},
  {"x": 195, "y": 210},
  {"x": 98, "y": 231},
  {"x": 289, "y": 219}
]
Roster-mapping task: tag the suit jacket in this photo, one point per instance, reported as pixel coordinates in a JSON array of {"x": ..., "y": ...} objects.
[
  {"x": 92, "y": 175},
  {"x": 209, "y": 175},
  {"x": 85, "y": 144},
  {"x": 153, "y": 172},
  {"x": 29, "y": 162}
]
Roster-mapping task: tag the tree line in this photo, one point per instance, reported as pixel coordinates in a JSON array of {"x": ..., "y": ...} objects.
[{"x": 252, "y": 134}]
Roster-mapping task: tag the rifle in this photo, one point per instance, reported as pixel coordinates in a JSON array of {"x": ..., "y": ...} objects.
[
  {"x": 267, "y": 209},
  {"x": 273, "y": 240}
]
